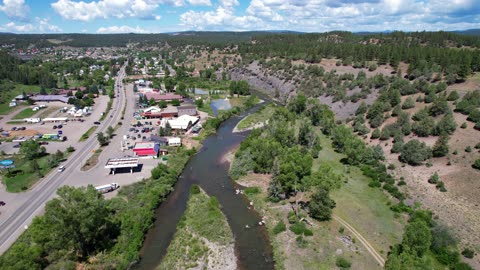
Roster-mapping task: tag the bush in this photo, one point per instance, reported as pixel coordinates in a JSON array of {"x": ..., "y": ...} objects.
[
  {"x": 280, "y": 227},
  {"x": 252, "y": 190},
  {"x": 415, "y": 152},
  {"x": 441, "y": 186},
  {"x": 391, "y": 166},
  {"x": 464, "y": 125},
  {"x": 433, "y": 179},
  {"x": 476, "y": 164},
  {"x": 292, "y": 218},
  {"x": 468, "y": 253},
  {"x": 194, "y": 189},
  {"x": 408, "y": 104},
  {"x": 301, "y": 242},
  {"x": 70, "y": 149},
  {"x": 461, "y": 266},
  {"x": 342, "y": 263},
  {"x": 468, "y": 149}
]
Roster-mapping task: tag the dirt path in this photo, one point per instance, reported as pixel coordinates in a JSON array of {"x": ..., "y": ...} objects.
[{"x": 365, "y": 243}]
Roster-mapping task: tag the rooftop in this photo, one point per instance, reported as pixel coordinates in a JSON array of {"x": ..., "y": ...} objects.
[{"x": 121, "y": 163}]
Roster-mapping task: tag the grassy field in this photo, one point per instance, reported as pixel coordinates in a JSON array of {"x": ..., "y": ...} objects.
[
  {"x": 202, "y": 234},
  {"x": 25, "y": 113},
  {"x": 364, "y": 208},
  {"x": 91, "y": 161},
  {"x": 24, "y": 179},
  {"x": 15, "y": 90},
  {"x": 206, "y": 108},
  {"x": 87, "y": 134},
  {"x": 260, "y": 116}
]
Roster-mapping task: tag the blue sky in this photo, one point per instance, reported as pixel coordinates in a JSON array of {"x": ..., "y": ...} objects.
[{"x": 154, "y": 16}]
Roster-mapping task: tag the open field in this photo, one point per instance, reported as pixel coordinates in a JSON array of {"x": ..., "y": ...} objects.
[
  {"x": 260, "y": 116},
  {"x": 16, "y": 90},
  {"x": 25, "y": 113},
  {"x": 365, "y": 209},
  {"x": 24, "y": 178},
  {"x": 203, "y": 239}
]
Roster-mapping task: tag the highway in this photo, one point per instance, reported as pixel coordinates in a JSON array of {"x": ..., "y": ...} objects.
[{"x": 14, "y": 225}]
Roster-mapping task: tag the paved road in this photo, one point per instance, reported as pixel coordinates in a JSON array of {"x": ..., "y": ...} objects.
[{"x": 15, "y": 223}]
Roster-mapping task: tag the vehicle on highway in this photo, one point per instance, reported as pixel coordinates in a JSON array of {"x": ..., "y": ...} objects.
[
  {"x": 107, "y": 188},
  {"x": 96, "y": 123},
  {"x": 61, "y": 169}
]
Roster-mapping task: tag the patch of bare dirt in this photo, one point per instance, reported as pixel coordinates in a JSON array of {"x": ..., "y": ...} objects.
[{"x": 256, "y": 180}]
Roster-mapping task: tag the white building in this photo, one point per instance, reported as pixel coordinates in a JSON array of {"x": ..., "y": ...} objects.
[{"x": 183, "y": 122}]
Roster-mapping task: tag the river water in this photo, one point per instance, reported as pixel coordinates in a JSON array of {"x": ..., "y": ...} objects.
[{"x": 207, "y": 170}]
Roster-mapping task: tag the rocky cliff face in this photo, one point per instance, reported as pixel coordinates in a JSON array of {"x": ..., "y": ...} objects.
[{"x": 262, "y": 81}]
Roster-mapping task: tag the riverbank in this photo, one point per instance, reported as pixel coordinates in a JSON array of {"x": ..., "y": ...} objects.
[
  {"x": 255, "y": 120},
  {"x": 364, "y": 209},
  {"x": 203, "y": 239}
]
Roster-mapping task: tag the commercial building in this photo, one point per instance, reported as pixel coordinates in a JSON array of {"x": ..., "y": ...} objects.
[
  {"x": 187, "y": 110},
  {"x": 165, "y": 97},
  {"x": 182, "y": 123},
  {"x": 118, "y": 163},
  {"x": 146, "y": 149},
  {"x": 48, "y": 98}
]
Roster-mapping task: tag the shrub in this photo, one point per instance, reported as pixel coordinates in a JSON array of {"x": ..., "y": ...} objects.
[
  {"x": 477, "y": 146},
  {"x": 280, "y": 227},
  {"x": 453, "y": 96},
  {"x": 343, "y": 263},
  {"x": 468, "y": 253},
  {"x": 292, "y": 218},
  {"x": 468, "y": 149},
  {"x": 455, "y": 152},
  {"x": 415, "y": 152},
  {"x": 476, "y": 164},
  {"x": 433, "y": 179},
  {"x": 441, "y": 186},
  {"x": 70, "y": 149},
  {"x": 252, "y": 190},
  {"x": 391, "y": 166},
  {"x": 301, "y": 242},
  {"x": 408, "y": 104},
  {"x": 194, "y": 189}
]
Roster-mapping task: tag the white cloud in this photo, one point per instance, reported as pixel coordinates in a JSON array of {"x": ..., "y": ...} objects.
[
  {"x": 15, "y": 9},
  {"x": 221, "y": 18},
  {"x": 258, "y": 8},
  {"x": 40, "y": 26},
  {"x": 200, "y": 2},
  {"x": 104, "y": 9},
  {"x": 121, "y": 29}
]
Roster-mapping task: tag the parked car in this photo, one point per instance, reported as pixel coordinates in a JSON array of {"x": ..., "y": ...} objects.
[
  {"x": 59, "y": 126},
  {"x": 61, "y": 169},
  {"x": 16, "y": 146},
  {"x": 21, "y": 128},
  {"x": 2, "y": 203},
  {"x": 43, "y": 143},
  {"x": 131, "y": 129},
  {"x": 139, "y": 136},
  {"x": 14, "y": 128},
  {"x": 54, "y": 127},
  {"x": 96, "y": 123},
  {"x": 60, "y": 132}
]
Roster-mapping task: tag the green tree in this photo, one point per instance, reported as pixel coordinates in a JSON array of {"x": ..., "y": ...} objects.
[
  {"x": 441, "y": 149},
  {"x": 102, "y": 140},
  {"x": 110, "y": 131},
  {"x": 30, "y": 149},
  {"x": 162, "y": 104},
  {"x": 408, "y": 104},
  {"x": 417, "y": 237},
  {"x": 415, "y": 152},
  {"x": 176, "y": 102},
  {"x": 321, "y": 205},
  {"x": 78, "y": 219}
]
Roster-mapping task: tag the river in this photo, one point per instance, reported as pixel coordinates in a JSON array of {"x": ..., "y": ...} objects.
[{"x": 206, "y": 169}]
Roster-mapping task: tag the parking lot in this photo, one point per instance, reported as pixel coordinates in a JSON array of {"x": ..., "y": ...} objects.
[{"x": 72, "y": 130}]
